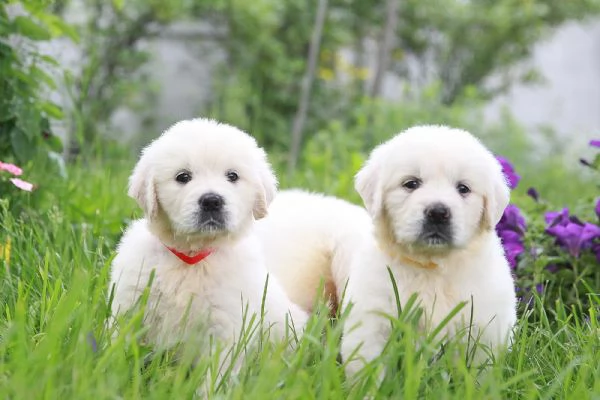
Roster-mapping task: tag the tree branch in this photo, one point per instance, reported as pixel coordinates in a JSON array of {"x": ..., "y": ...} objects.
[
  {"x": 386, "y": 45},
  {"x": 313, "y": 53}
]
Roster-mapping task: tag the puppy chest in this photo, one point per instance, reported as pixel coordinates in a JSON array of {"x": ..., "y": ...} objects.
[
  {"x": 197, "y": 292},
  {"x": 435, "y": 295}
]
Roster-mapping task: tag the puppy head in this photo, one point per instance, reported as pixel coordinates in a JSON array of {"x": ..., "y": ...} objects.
[
  {"x": 433, "y": 189},
  {"x": 203, "y": 179}
]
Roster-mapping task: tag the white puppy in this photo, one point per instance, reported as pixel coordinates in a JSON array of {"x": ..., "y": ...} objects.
[
  {"x": 308, "y": 240},
  {"x": 201, "y": 186},
  {"x": 435, "y": 195}
]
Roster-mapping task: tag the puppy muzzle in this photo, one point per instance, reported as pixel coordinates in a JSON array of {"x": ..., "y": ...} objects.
[
  {"x": 436, "y": 230},
  {"x": 211, "y": 216}
]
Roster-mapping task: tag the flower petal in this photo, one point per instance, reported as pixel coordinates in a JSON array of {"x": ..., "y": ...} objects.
[
  {"x": 12, "y": 168},
  {"x": 553, "y": 218},
  {"x": 512, "y": 219},
  {"x": 569, "y": 236},
  {"x": 531, "y": 192},
  {"x": 595, "y": 143},
  {"x": 590, "y": 232},
  {"x": 23, "y": 185},
  {"x": 509, "y": 172}
]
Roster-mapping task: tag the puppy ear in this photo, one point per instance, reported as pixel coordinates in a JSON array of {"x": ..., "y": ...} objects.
[
  {"x": 142, "y": 187},
  {"x": 497, "y": 198},
  {"x": 267, "y": 189},
  {"x": 367, "y": 183}
]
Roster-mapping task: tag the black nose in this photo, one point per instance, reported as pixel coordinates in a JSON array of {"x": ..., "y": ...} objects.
[
  {"x": 437, "y": 213},
  {"x": 211, "y": 202}
]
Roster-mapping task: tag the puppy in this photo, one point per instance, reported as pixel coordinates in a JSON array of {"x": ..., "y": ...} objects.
[
  {"x": 309, "y": 240},
  {"x": 201, "y": 185},
  {"x": 435, "y": 195}
]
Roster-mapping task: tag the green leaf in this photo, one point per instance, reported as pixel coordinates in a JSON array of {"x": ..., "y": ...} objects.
[
  {"x": 38, "y": 74},
  {"x": 28, "y": 28},
  {"x": 22, "y": 146},
  {"x": 58, "y": 27},
  {"x": 50, "y": 60},
  {"x": 52, "y": 110},
  {"x": 54, "y": 143},
  {"x": 118, "y": 4},
  {"x": 28, "y": 119}
]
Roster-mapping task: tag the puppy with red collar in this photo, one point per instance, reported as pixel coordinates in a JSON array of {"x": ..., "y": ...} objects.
[{"x": 201, "y": 184}]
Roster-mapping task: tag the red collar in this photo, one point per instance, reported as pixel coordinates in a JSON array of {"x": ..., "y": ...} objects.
[{"x": 193, "y": 259}]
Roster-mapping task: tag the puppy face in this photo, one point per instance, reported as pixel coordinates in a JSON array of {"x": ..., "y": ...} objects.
[
  {"x": 202, "y": 178},
  {"x": 433, "y": 188}
]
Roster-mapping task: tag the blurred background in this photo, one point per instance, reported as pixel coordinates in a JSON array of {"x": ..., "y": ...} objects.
[{"x": 317, "y": 82}]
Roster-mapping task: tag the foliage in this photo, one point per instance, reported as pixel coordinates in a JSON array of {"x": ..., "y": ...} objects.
[
  {"x": 456, "y": 46},
  {"x": 266, "y": 49},
  {"x": 25, "y": 111},
  {"x": 556, "y": 252},
  {"x": 112, "y": 73},
  {"x": 460, "y": 47},
  {"x": 465, "y": 43}
]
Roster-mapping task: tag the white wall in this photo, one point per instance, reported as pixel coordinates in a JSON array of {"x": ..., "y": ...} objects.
[{"x": 569, "y": 99}]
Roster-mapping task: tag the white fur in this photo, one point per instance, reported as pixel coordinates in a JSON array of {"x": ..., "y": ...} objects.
[
  {"x": 308, "y": 241},
  {"x": 214, "y": 292},
  {"x": 442, "y": 275}
]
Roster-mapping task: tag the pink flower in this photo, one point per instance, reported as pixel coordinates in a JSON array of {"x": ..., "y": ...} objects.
[
  {"x": 28, "y": 187},
  {"x": 13, "y": 169}
]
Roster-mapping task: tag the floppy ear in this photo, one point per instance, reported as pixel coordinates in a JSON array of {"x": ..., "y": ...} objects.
[
  {"x": 497, "y": 197},
  {"x": 367, "y": 183},
  {"x": 142, "y": 187},
  {"x": 267, "y": 190}
]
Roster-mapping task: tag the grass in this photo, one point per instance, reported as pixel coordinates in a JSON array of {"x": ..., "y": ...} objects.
[{"x": 55, "y": 343}]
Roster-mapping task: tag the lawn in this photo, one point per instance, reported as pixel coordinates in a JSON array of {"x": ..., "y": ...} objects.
[{"x": 58, "y": 243}]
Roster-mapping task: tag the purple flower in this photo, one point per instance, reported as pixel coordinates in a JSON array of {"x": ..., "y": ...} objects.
[
  {"x": 509, "y": 172},
  {"x": 539, "y": 288},
  {"x": 92, "y": 342},
  {"x": 512, "y": 219},
  {"x": 531, "y": 192},
  {"x": 596, "y": 250},
  {"x": 513, "y": 250},
  {"x": 552, "y": 268},
  {"x": 513, "y": 247},
  {"x": 595, "y": 143},
  {"x": 511, "y": 229},
  {"x": 525, "y": 295},
  {"x": 573, "y": 236},
  {"x": 557, "y": 217}
]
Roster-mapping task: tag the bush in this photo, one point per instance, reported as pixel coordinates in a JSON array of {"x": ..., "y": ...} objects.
[
  {"x": 555, "y": 252},
  {"x": 25, "y": 111}
]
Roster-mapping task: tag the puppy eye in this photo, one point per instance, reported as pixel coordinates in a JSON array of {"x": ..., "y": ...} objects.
[
  {"x": 411, "y": 184},
  {"x": 463, "y": 189},
  {"x": 183, "y": 177},
  {"x": 232, "y": 176}
]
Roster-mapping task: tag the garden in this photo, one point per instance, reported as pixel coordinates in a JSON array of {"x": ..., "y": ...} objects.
[{"x": 64, "y": 169}]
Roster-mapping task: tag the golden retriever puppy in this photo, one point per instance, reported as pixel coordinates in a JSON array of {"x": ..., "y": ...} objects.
[
  {"x": 434, "y": 195},
  {"x": 202, "y": 185}
]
